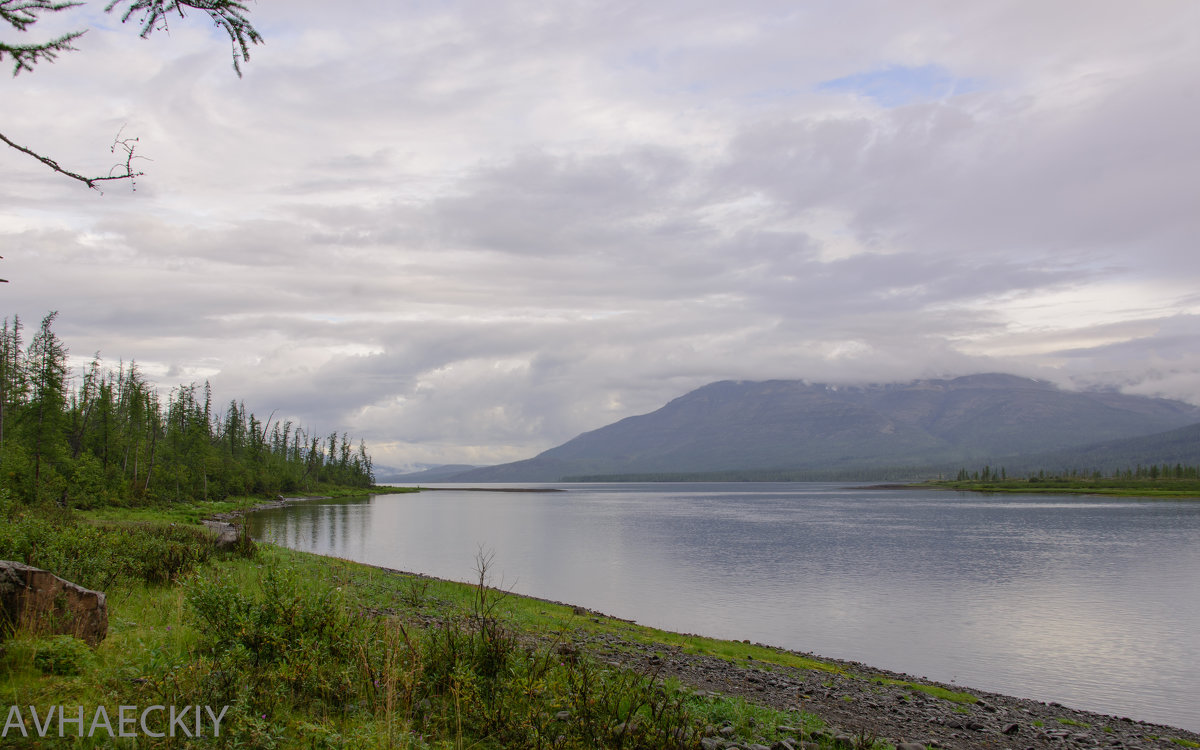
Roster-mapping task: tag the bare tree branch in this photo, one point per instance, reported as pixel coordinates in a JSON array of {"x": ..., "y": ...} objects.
[{"x": 127, "y": 145}]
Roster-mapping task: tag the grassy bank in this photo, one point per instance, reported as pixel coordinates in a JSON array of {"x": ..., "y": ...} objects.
[
  {"x": 195, "y": 511},
  {"x": 315, "y": 652}
]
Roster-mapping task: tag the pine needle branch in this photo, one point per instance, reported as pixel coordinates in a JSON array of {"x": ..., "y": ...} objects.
[
  {"x": 20, "y": 15},
  {"x": 229, "y": 15}
]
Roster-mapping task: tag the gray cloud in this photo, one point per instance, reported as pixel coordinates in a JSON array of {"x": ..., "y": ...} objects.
[{"x": 470, "y": 231}]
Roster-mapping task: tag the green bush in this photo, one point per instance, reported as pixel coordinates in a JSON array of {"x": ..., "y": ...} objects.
[
  {"x": 61, "y": 655},
  {"x": 295, "y": 634},
  {"x": 98, "y": 555},
  {"x": 289, "y": 645}
]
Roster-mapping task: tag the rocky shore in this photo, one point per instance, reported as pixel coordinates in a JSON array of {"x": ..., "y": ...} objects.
[
  {"x": 863, "y": 703},
  {"x": 858, "y": 702}
]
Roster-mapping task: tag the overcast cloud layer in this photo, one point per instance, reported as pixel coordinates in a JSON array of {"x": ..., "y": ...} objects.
[{"x": 468, "y": 231}]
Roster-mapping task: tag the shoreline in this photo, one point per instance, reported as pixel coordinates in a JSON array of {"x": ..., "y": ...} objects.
[
  {"x": 1015, "y": 488},
  {"x": 850, "y": 696}
]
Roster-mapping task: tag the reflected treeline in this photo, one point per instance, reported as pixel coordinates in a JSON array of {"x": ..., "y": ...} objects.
[{"x": 339, "y": 528}]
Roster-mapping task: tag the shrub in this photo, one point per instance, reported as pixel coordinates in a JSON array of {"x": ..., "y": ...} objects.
[
  {"x": 291, "y": 634},
  {"x": 61, "y": 655},
  {"x": 98, "y": 555}
]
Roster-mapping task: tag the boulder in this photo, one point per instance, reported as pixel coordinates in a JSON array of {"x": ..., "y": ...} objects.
[
  {"x": 39, "y": 601},
  {"x": 227, "y": 534}
]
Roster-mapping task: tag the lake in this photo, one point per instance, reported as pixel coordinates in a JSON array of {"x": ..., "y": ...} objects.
[{"x": 1092, "y": 602}]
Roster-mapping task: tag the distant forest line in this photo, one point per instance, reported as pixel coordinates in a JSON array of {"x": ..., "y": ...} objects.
[
  {"x": 1164, "y": 480},
  {"x": 866, "y": 474},
  {"x": 1133, "y": 476},
  {"x": 106, "y": 436},
  {"x": 1138, "y": 473}
]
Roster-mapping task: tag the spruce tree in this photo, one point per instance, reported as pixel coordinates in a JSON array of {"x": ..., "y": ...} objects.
[{"x": 46, "y": 363}]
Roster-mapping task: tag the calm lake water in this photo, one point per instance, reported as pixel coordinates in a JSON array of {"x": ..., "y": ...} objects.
[{"x": 1091, "y": 602}]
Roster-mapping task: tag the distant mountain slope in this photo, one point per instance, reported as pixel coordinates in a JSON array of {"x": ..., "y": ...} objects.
[
  {"x": 786, "y": 424},
  {"x": 1181, "y": 446},
  {"x": 432, "y": 474}
]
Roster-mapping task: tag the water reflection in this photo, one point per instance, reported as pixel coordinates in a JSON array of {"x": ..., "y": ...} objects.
[{"x": 1091, "y": 603}]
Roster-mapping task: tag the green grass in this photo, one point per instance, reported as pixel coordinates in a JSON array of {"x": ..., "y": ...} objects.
[
  {"x": 1183, "y": 742},
  {"x": 193, "y": 512},
  {"x": 934, "y": 690},
  {"x": 751, "y": 720},
  {"x": 1073, "y": 723}
]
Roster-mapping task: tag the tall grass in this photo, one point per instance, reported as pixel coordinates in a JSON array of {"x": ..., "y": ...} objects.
[{"x": 299, "y": 646}]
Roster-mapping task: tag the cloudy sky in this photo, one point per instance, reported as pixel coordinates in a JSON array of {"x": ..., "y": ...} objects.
[{"x": 468, "y": 231}]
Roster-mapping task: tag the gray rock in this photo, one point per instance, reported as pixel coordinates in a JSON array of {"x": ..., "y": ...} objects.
[
  {"x": 909, "y": 746},
  {"x": 41, "y": 602},
  {"x": 227, "y": 534},
  {"x": 625, "y": 727}
]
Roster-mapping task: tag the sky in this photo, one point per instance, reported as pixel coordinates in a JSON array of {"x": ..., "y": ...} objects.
[{"x": 469, "y": 231}]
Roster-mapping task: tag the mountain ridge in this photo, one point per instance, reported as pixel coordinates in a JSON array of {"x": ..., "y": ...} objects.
[{"x": 734, "y": 425}]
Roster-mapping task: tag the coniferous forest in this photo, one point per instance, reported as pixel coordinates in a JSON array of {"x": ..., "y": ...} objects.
[{"x": 105, "y": 436}]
